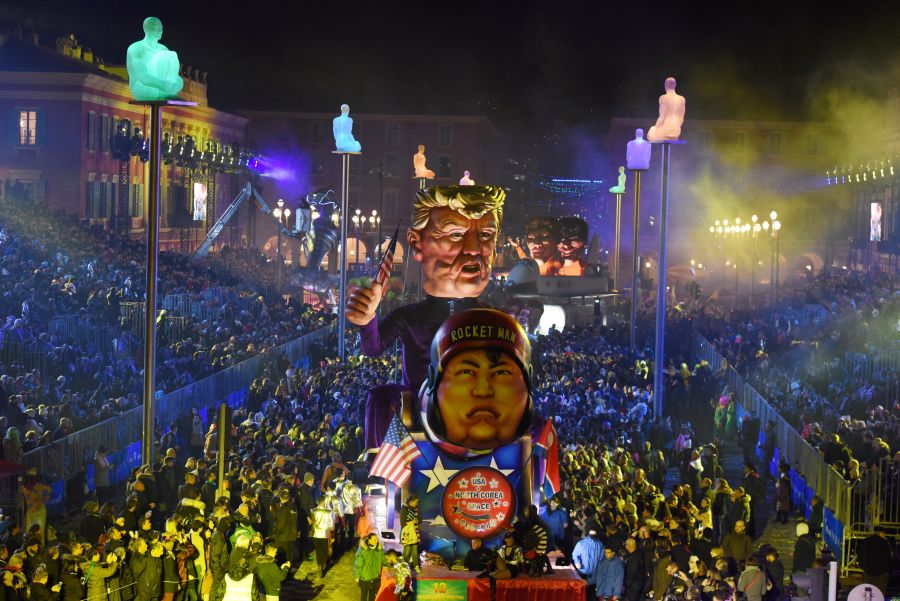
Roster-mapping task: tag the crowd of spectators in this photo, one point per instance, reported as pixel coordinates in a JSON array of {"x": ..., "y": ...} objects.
[
  {"x": 53, "y": 383},
  {"x": 636, "y": 489},
  {"x": 808, "y": 369}
]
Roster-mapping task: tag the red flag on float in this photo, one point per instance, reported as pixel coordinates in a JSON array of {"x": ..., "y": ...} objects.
[
  {"x": 387, "y": 261},
  {"x": 547, "y": 448}
]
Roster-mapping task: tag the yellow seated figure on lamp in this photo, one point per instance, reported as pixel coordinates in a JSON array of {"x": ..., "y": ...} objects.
[
  {"x": 153, "y": 69},
  {"x": 671, "y": 115},
  {"x": 419, "y": 164}
]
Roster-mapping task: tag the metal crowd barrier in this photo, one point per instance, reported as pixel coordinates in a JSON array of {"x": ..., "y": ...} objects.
[
  {"x": 805, "y": 316},
  {"x": 821, "y": 479},
  {"x": 28, "y": 353},
  {"x": 71, "y": 457},
  {"x": 880, "y": 366},
  {"x": 93, "y": 337}
]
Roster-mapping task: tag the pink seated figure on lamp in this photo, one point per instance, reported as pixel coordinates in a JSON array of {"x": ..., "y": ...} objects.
[
  {"x": 671, "y": 115},
  {"x": 466, "y": 180},
  {"x": 422, "y": 172}
]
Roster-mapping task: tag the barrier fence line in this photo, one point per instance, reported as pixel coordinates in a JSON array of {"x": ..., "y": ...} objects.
[
  {"x": 808, "y": 467},
  {"x": 70, "y": 459}
]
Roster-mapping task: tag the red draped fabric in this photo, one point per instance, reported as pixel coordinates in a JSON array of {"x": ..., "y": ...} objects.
[{"x": 564, "y": 585}]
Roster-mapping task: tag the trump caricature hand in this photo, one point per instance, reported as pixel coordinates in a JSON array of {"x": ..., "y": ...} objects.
[{"x": 363, "y": 303}]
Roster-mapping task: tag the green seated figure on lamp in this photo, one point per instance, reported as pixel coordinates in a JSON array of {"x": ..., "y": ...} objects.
[
  {"x": 619, "y": 188},
  {"x": 153, "y": 69}
]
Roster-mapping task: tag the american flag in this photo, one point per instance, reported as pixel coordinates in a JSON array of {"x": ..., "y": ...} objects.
[
  {"x": 396, "y": 453},
  {"x": 387, "y": 261}
]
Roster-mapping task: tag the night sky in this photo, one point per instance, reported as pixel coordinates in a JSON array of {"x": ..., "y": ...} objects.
[{"x": 539, "y": 70}]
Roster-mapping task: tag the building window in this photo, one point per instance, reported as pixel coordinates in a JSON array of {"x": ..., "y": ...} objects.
[
  {"x": 391, "y": 210},
  {"x": 391, "y": 165},
  {"x": 318, "y": 133},
  {"x": 27, "y": 128},
  {"x": 92, "y": 130},
  {"x": 92, "y": 200},
  {"x": 105, "y": 132},
  {"x": 445, "y": 136},
  {"x": 392, "y": 134},
  {"x": 111, "y": 189},
  {"x": 444, "y": 166},
  {"x": 774, "y": 143}
]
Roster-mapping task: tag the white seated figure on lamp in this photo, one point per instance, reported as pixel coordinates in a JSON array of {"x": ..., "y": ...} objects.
[
  {"x": 422, "y": 172},
  {"x": 466, "y": 179},
  {"x": 342, "y": 127},
  {"x": 619, "y": 188},
  {"x": 637, "y": 153},
  {"x": 153, "y": 70},
  {"x": 671, "y": 115}
]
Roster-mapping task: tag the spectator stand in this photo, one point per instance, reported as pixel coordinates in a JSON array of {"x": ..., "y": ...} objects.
[
  {"x": 852, "y": 510},
  {"x": 66, "y": 465}
]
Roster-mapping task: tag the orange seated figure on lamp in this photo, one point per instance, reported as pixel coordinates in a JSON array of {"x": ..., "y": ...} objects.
[
  {"x": 419, "y": 164},
  {"x": 671, "y": 115}
]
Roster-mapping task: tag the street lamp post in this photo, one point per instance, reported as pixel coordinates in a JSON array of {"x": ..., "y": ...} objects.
[
  {"x": 375, "y": 220},
  {"x": 356, "y": 224},
  {"x": 776, "y": 228},
  {"x": 279, "y": 212},
  {"x": 379, "y": 171},
  {"x": 755, "y": 228}
]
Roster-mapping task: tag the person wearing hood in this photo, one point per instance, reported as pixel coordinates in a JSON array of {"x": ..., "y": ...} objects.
[
  {"x": 609, "y": 576},
  {"x": 239, "y": 583},
  {"x": 367, "y": 564},
  {"x": 269, "y": 574},
  {"x": 804, "y": 555}
]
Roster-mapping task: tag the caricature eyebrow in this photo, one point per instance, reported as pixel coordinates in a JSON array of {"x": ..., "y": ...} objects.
[
  {"x": 501, "y": 361},
  {"x": 450, "y": 220},
  {"x": 459, "y": 221}
]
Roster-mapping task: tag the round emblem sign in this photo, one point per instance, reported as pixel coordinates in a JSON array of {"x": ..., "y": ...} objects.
[{"x": 478, "y": 501}]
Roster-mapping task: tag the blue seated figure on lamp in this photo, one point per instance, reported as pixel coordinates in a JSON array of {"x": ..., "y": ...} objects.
[
  {"x": 153, "y": 69},
  {"x": 637, "y": 152},
  {"x": 342, "y": 127}
]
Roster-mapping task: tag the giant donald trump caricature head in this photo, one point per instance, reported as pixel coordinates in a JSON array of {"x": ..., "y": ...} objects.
[
  {"x": 478, "y": 393},
  {"x": 454, "y": 236}
]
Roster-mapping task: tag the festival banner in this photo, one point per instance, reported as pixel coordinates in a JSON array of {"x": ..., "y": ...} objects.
[
  {"x": 833, "y": 534},
  {"x": 439, "y": 589}
]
